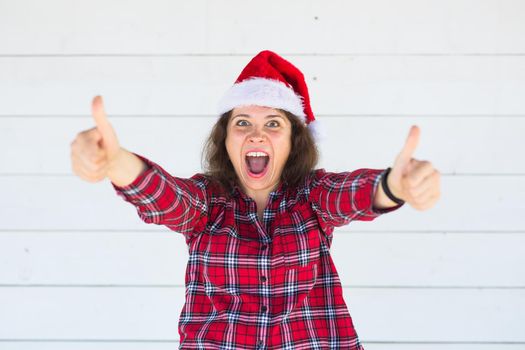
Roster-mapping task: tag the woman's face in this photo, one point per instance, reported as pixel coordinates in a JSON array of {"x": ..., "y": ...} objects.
[{"x": 266, "y": 131}]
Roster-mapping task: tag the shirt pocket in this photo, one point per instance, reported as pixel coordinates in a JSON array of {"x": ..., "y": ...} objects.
[
  {"x": 300, "y": 241},
  {"x": 298, "y": 283}
]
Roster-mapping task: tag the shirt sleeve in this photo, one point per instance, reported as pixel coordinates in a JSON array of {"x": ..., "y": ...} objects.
[
  {"x": 339, "y": 198},
  {"x": 163, "y": 199}
]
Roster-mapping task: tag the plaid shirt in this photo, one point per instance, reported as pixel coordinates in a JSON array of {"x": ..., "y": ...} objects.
[{"x": 253, "y": 284}]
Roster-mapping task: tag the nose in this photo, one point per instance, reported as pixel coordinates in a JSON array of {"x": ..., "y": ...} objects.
[{"x": 257, "y": 136}]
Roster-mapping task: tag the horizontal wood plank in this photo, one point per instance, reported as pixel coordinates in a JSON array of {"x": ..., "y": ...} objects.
[
  {"x": 467, "y": 203},
  {"x": 362, "y": 259},
  {"x": 87, "y": 345},
  {"x": 163, "y": 27},
  {"x": 193, "y": 85},
  {"x": 386, "y": 315},
  {"x": 453, "y": 145}
]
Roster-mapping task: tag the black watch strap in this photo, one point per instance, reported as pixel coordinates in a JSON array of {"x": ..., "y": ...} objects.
[{"x": 387, "y": 190}]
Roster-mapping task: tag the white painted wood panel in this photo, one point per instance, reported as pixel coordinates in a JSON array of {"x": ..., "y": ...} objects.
[
  {"x": 455, "y": 145},
  {"x": 231, "y": 27},
  {"x": 432, "y": 259},
  {"x": 447, "y": 279},
  {"x": 98, "y": 345},
  {"x": 349, "y": 84},
  {"x": 482, "y": 315},
  {"x": 443, "y": 346},
  {"x": 362, "y": 259},
  {"x": 383, "y": 314},
  {"x": 87, "y": 345},
  {"x": 167, "y": 345},
  {"x": 79, "y": 205}
]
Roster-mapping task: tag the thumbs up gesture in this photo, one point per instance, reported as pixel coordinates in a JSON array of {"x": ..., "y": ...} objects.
[
  {"x": 93, "y": 151},
  {"x": 414, "y": 181}
]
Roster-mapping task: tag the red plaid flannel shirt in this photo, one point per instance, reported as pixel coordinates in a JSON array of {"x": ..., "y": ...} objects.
[{"x": 253, "y": 284}]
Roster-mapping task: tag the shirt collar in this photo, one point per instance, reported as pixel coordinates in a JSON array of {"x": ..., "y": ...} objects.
[{"x": 237, "y": 190}]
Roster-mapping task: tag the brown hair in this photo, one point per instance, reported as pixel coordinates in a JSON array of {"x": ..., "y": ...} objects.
[{"x": 302, "y": 159}]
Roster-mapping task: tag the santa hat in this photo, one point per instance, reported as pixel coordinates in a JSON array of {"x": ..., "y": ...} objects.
[{"x": 271, "y": 81}]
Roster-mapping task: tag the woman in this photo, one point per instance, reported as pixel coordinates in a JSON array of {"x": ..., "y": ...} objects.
[{"x": 259, "y": 221}]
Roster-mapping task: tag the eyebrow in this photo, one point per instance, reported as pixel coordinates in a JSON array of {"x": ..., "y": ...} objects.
[{"x": 268, "y": 116}]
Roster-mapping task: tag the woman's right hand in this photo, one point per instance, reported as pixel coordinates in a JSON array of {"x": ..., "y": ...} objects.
[{"x": 95, "y": 150}]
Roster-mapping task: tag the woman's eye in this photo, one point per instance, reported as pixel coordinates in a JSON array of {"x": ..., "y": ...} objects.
[
  {"x": 274, "y": 123},
  {"x": 242, "y": 121}
]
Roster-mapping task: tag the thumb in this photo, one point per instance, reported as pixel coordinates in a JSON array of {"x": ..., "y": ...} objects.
[
  {"x": 406, "y": 154},
  {"x": 109, "y": 137}
]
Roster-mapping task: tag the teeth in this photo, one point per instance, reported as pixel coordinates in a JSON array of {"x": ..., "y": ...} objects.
[{"x": 256, "y": 154}]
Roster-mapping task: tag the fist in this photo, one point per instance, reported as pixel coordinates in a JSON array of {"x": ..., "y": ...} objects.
[
  {"x": 415, "y": 181},
  {"x": 94, "y": 150}
]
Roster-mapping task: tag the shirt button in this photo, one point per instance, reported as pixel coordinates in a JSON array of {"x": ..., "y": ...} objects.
[
  {"x": 264, "y": 246},
  {"x": 259, "y": 344},
  {"x": 264, "y": 308},
  {"x": 263, "y": 278}
]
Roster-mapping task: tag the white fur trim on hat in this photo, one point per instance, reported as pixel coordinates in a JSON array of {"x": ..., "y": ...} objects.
[
  {"x": 262, "y": 92},
  {"x": 317, "y": 130}
]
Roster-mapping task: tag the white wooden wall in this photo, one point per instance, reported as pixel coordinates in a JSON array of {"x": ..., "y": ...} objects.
[{"x": 79, "y": 270}]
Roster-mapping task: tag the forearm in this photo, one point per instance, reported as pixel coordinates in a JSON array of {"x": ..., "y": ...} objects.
[
  {"x": 381, "y": 200},
  {"x": 126, "y": 168},
  {"x": 161, "y": 198}
]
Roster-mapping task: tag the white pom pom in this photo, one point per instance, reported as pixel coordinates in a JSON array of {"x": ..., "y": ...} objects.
[{"x": 318, "y": 132}]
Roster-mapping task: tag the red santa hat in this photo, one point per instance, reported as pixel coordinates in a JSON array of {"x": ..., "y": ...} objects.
[{"x": 271, "y": 81}]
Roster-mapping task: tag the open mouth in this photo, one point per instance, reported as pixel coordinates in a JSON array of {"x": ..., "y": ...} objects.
[{"x": 257, "y": 163}]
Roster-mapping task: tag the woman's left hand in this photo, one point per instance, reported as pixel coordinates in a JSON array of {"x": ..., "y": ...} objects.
[{"x": 414, "y": 181}]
